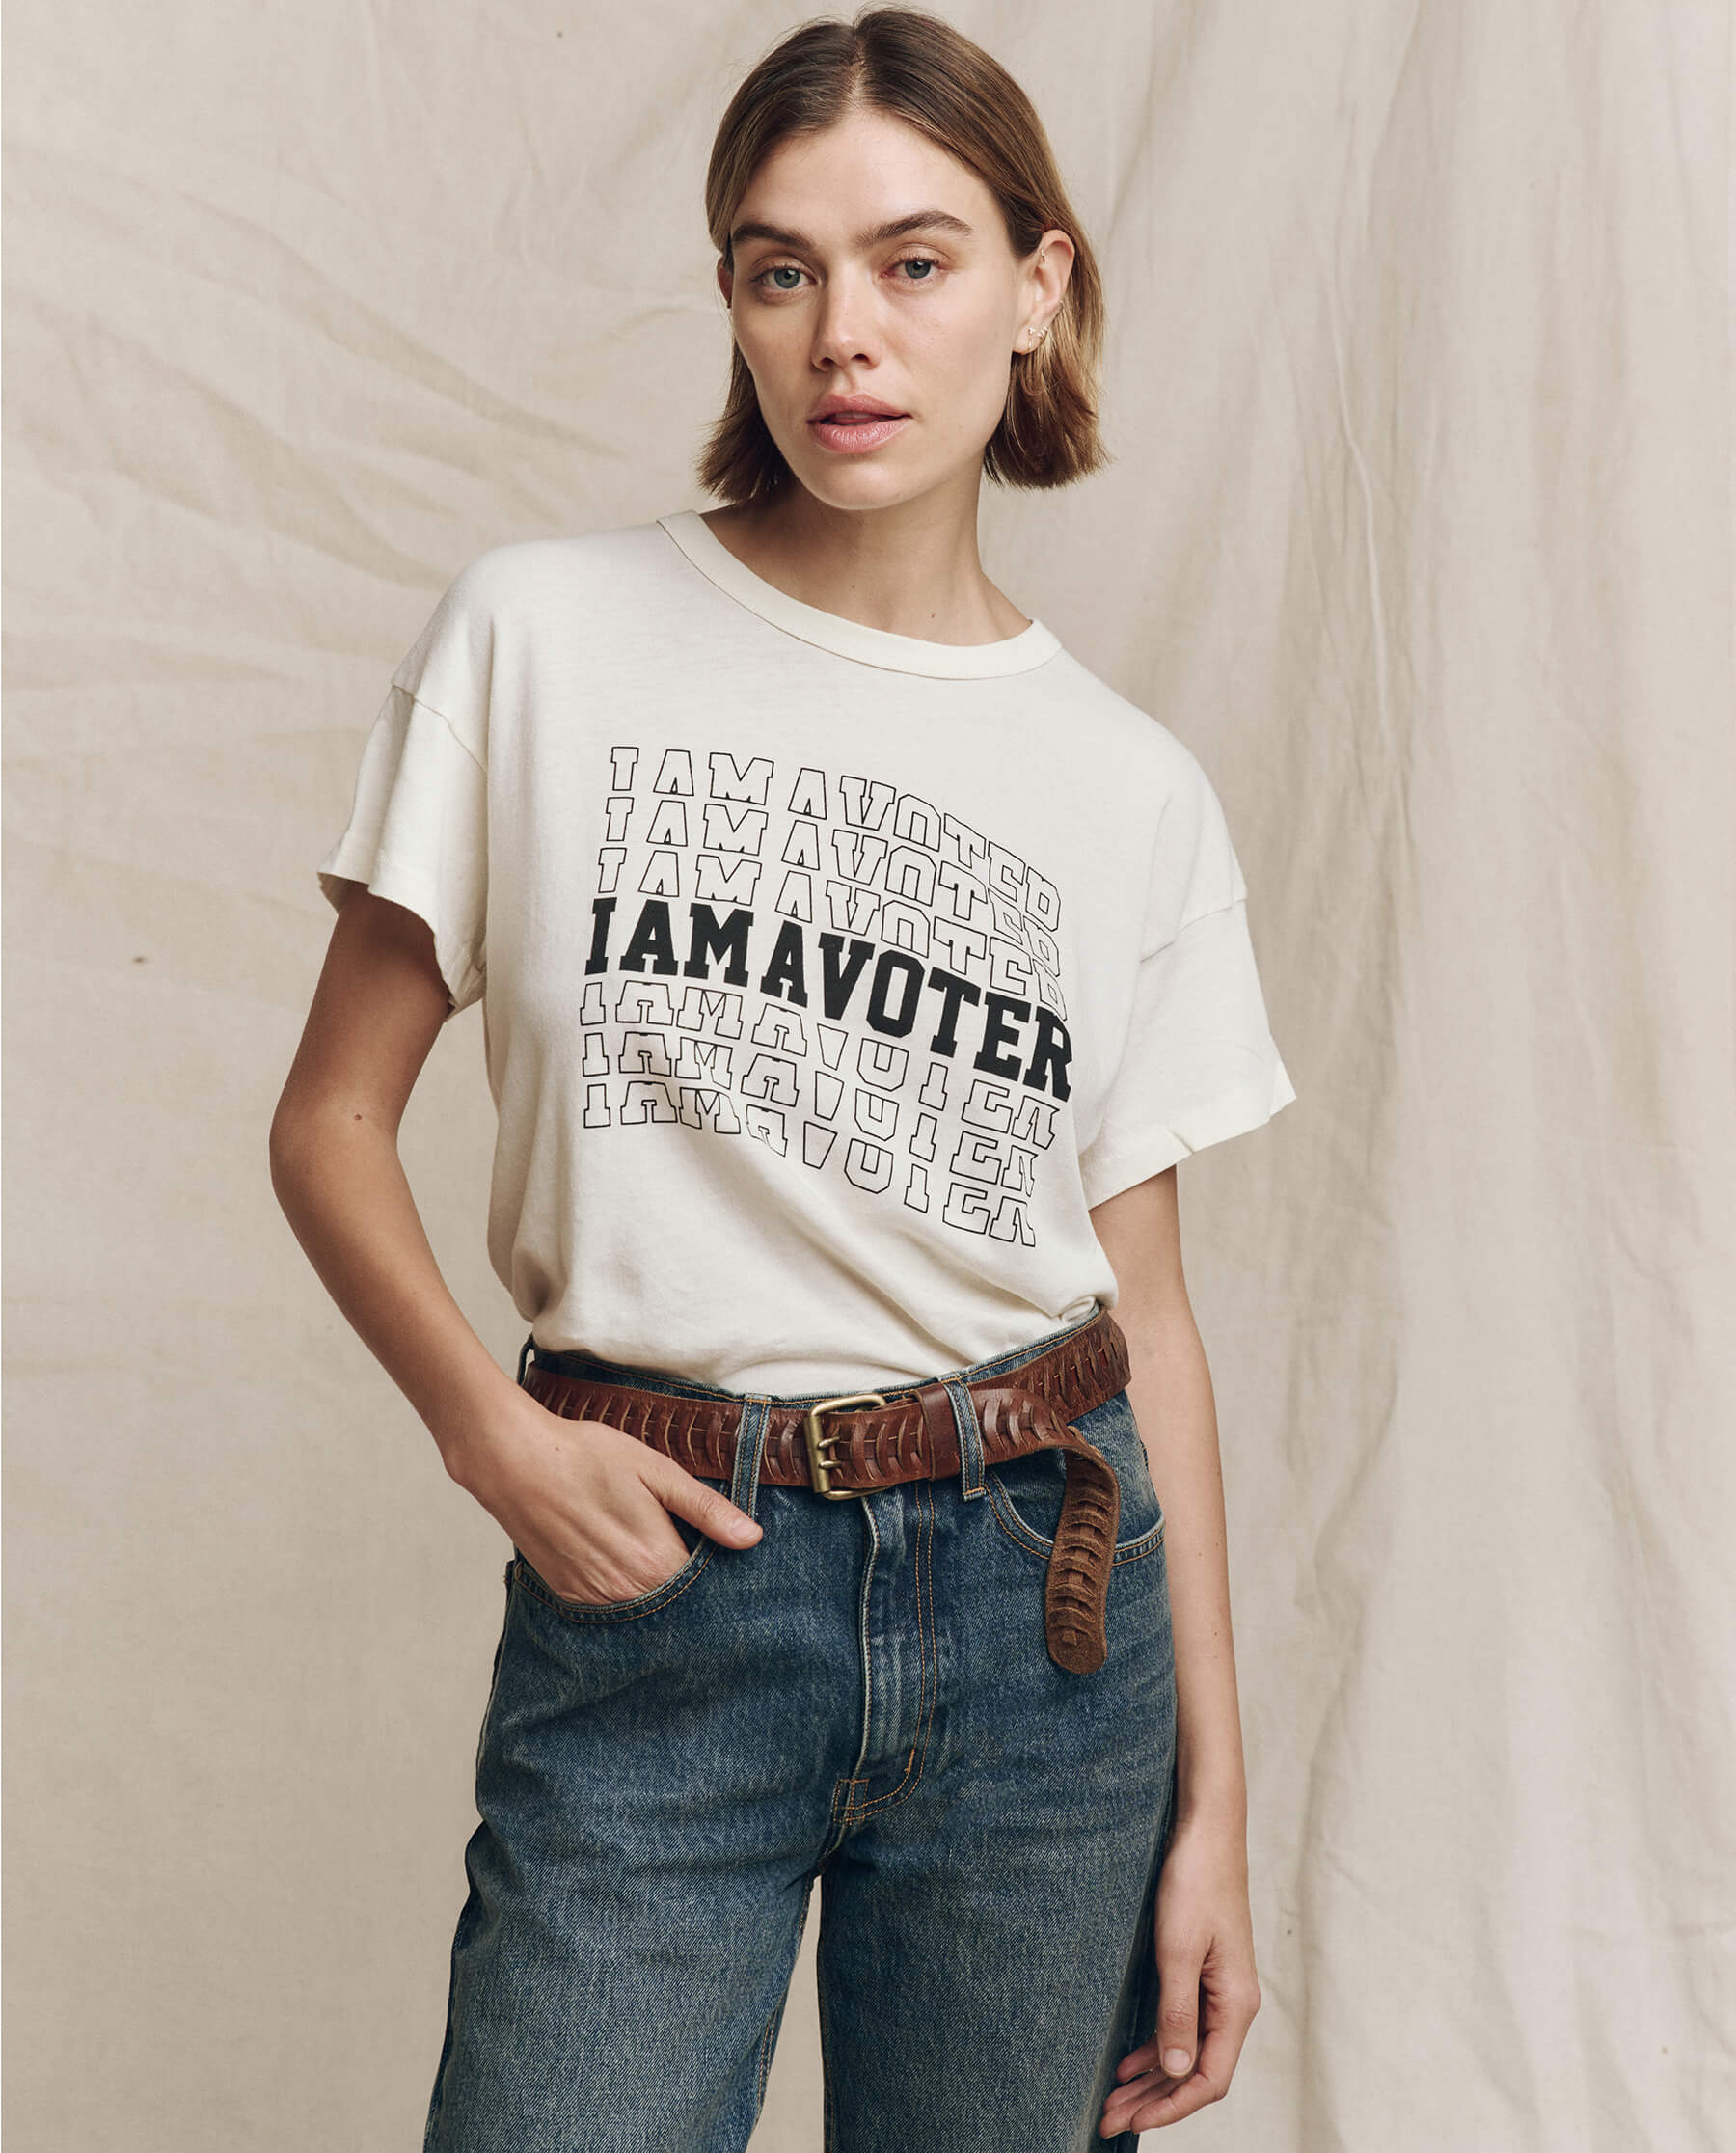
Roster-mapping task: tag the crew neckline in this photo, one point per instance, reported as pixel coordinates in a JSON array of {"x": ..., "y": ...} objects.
[{"x": 1033, "y": 645}]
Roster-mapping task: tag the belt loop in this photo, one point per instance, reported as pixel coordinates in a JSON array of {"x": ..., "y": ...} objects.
[
  {"x": 525, "y": 1350},
  {"x": 970, "y": 1437},
  {"x": 750, "y": 1445}
]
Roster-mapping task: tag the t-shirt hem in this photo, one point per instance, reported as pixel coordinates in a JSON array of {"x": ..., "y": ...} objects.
[
  {"x": 356, "y": 859},
  {"x": 1160, "y": 1146}
]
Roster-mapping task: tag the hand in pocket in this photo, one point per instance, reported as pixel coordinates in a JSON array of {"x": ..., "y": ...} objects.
[{"x": 592, "y": 1510}]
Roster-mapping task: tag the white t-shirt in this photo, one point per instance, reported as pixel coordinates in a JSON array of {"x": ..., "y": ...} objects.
[{"x": 828, "y": 976}]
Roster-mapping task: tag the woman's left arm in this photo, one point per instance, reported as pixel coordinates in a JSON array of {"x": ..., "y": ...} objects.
[{"x": 1208, "y": 1987}]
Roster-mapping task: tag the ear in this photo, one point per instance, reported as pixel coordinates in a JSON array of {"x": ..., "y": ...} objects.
[{"x": 1047, "y": 270}]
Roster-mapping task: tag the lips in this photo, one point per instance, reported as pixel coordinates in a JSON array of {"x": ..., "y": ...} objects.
[{"x": 847, "y": 424}]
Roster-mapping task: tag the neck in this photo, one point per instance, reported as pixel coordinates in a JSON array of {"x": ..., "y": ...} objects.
[{"x": 912, "y": 569}]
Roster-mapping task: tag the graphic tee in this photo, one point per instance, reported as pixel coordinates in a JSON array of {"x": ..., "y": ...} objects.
[{"x": 828, "y": 976}]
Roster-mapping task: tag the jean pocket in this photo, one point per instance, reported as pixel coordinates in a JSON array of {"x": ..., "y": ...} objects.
[
  {"x": 1025, "y": 1493},
  {"x": 700, "y": 1549}
]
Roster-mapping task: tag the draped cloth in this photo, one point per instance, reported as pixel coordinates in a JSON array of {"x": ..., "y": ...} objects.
[{"x": 1419, "y": 534}]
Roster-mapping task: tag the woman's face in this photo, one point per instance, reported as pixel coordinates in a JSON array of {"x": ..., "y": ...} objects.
[{"x": 830, "y": 300}]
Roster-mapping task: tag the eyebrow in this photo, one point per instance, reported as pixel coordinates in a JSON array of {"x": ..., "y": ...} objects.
[{"x": 919, "y": 220}]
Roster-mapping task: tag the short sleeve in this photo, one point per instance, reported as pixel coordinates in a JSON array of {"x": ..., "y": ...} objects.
[
  {"x": 417, "y": 832},
  {"x": 1199, "y": 1063}
]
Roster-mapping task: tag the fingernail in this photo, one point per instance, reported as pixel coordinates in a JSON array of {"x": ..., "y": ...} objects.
[{"x": 1176, "y": 2061}]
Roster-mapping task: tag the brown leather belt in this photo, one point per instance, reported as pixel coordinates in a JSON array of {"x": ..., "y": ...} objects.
[{"x": 909, "y": 1434}]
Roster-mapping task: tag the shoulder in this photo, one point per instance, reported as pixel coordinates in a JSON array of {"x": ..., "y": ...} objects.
[
  {"x": 510, "y": 609},
  {"x": 1156, "y": 792},
  {"x": 513, "y": 583},
  {"x": 1149, "y": 762}
]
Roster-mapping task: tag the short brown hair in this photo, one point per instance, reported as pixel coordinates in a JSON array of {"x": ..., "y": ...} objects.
[{"x": 922, "y": 71}]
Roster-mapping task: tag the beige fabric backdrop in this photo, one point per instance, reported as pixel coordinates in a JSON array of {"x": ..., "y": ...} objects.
[{"x": 1420, "y": 536}]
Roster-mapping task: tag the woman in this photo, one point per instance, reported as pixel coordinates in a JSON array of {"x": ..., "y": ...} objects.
[{"x": 856, "y": 968}]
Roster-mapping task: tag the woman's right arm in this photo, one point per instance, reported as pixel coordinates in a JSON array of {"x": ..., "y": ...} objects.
[{"x": 586, "y": 1504}]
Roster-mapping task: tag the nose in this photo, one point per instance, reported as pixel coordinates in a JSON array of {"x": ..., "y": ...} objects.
[{"x": 845, "y": 329}]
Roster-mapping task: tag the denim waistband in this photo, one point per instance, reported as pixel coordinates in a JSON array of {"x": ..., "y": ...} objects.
[{"x": 601, "y": 1371}]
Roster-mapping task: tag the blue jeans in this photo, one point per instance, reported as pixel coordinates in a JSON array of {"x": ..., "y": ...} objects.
[{"x": 862, "y": 1698}]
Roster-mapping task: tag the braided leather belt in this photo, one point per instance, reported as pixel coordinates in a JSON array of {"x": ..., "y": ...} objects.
[{"x": 909, "y": 1434}]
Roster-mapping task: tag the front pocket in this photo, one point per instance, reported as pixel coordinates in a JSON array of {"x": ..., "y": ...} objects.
[
  {"x": 1025, "y": 1493},
  {"x": 494, "y": 1673},
  {"x": 700, "y": 1549}
]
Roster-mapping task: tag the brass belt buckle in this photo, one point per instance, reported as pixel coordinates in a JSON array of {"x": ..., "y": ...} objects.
[{"x": 818, "y": 1462}]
